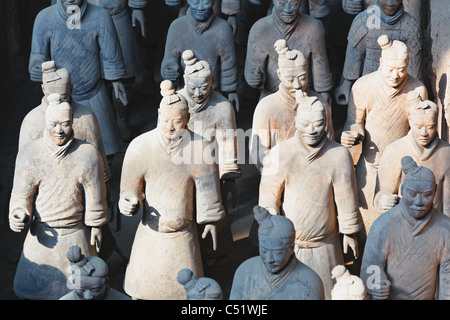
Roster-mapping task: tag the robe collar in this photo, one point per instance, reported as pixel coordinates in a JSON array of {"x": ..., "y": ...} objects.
[
  {"x": 199, "y": 26},
  {"x": 275, "y": 280},
  {"x": 171, "y": 147},
  {"x": 422, "y": 153},
  {"x": 57, "y": 153},
  {"x": 287, "y": 99},
  {"x": 416, "y": 226},
  {"x": 310, "y": 153},
  {"x": 286, "y": 29},
  {"x": 63, "y": 11},
  {"x": 390, "y": 20}
]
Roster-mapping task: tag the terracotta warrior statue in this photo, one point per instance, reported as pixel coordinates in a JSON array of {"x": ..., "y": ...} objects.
[
  {"x": 422, "y": 143},
  {"x": 89, "y": 278},
  {"x": 212, "y": 117},
  {"x": 58, "y": 189},
  {"x": 347, "y": 286},
  {"x": 408, "y": 245},
  {"x": 199, "y": 288},
  {"x": 378, "y": 115},
  {"x": 168, "y": 161},
  {"x": 275, "y": 274},
  {"x": 274, "y": 115},
  {"x": 81, "y": 38},
  {"x": 387, "y": 17},
  {"x": 211, "y": 39},
  {"x": 311, "y": 180},
  {"x": 302, "y": 32},
  {"x": 85, "y": 125}
]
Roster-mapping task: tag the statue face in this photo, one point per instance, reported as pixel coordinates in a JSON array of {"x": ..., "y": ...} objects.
[
  {"x": 293, "y": 79},
  {"x": 310, "y": 126},
  {"x": 275, "y": 252},
  {"x": 287, "y": 10},
  {"x": 418, "y": 196},
  {"x": 68, "y": 3},
  {"x": 172, "y": 121},
  {"x": 390, "y": 7},
  {"x": 201, "y": 9},
  {"x": 91, "y": 291},
  {"x": 423, "y": 128},
  {"x": 59, "y": 126},
  {"x": 394, "y": 71},
  {"x": 198, "y": 88}
]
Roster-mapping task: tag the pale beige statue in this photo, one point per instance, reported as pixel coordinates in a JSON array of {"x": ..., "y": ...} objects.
[
  {"x": 423, "y": 144},
  {"x": 407, "y": 254},
  {"x": 85, "y": 125},
  {"x": 310, "y": 179},
  {"x": 212, "y": 117},
  {"x": 60, "y": 190},
  {"x": 347, "y": 286},
  {"x": 274, "y": 115},
  {"x": 181, "y": 188},
  {"x": 199, "y": 288},
  {"x": 378, "y": 115}
]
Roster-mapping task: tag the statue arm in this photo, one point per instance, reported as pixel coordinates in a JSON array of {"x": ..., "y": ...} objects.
[
  {"x": 272, "y": 183},
  {"x": 170, "y": 65},
  {"x": 444, "y": 276},
  {"x": 40, "y": 48},
  {"x": 446, "y": 195},
  {"x": 320, "y": 69},
  {"x": 255, "y": 61},
  {"x": 227, "y": 142}
]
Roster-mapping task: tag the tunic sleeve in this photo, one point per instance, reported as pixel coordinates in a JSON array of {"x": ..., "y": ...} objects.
[
  {"x": 231, "y": 7},
  {"x": 260, "y": 139},
  {"x": 356, "y": 48},
  {"x": 320, "y": 69},
  {"x": 272, "y": 182},
  {"x": 112, "y": 59},
  {"x": 228, "y": 66},
  {"x": 137, "y": 4},
  {"x": 96, "y": 209},
  {"x": 208, "y": 198},
  {"x": 444, "y": 274},
  {"x": 172, "y": 53},
  {"x": 446, "y": 193},
  {"x": 40, "y": 47},
  {"x": 255, "y": 60},
  {"x": 357, "y": 110},
  {"x": 345, "y": 194},
  {"x": 24, "y": 186}
]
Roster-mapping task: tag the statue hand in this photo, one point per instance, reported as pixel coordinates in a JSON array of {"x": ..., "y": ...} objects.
[
  {"x": 96, "y": 238},
  {"x": 128, "y": 206},
  {"x": 255, "y": 79},
  {"x": 120, "y": 92},
  {"x": 342, "y": 93},
  {"x": 211, "y": 228},
  {"x": 389, "y": 201},
  {"x": 171, "y": 73},
  {"x": 234, "y": 99},
  {"x": 18, "y": 220},
  {"x": 352, "y": 242},
  {"x": 381, "y": 290},
  {"x": 138, "y": 16},
  {"x": 327, "y": 97},
  {"x": 349, "y": 138}
]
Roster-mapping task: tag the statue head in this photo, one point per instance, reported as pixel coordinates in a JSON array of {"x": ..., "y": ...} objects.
[
  {"x": 292, "y": 68},
  {"x": 418, "y": 188},
  {"x": 58, "y": 120},
  {"x": 198, "y": 77},
  {"x": 276, "y": 239},
  {"x": 68, "y": 3},
  {"x": 89, "y": 275},
  {"x": 56, "y": 81},
  {"x": 390, "y": 7},
  {"x": 347, "y": 286},
  {"x": 423, "y": 119},
  {"x": 287, "y": 10},
  {"x": 394, "y": 61},
  {"x": 310, "y": 120},
  {"x": 199, "y": 288},
  {"x": 173, "y": 112},
  {"x": 201, "y": 9}
]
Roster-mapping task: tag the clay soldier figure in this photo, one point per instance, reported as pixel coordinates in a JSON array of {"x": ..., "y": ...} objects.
[
  {"x": 85, "y": 125},
  {"x": 316, "y": 179},
  {"x": 81, "y": 37},
  {"x": 275, "y": 274},
  {"x": 302, "y": 32},
  {"x": 347, "y": 286},
  {"x": 423, "y": 144},
  {"x": 377, "y": 116},
  {"x": 89, "y": 278},
  {"x": 408, "y": 245},
  {"x": 212, "y": 117},
  {"x": 388, "y": 17},
  {"x": 211, "y": 39},
  {"x": 59, "y": 188},
  {"x": 166, "y": 159},
  {"x": 274, "y": 115},
  {"x": 199, "y": 288}
]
